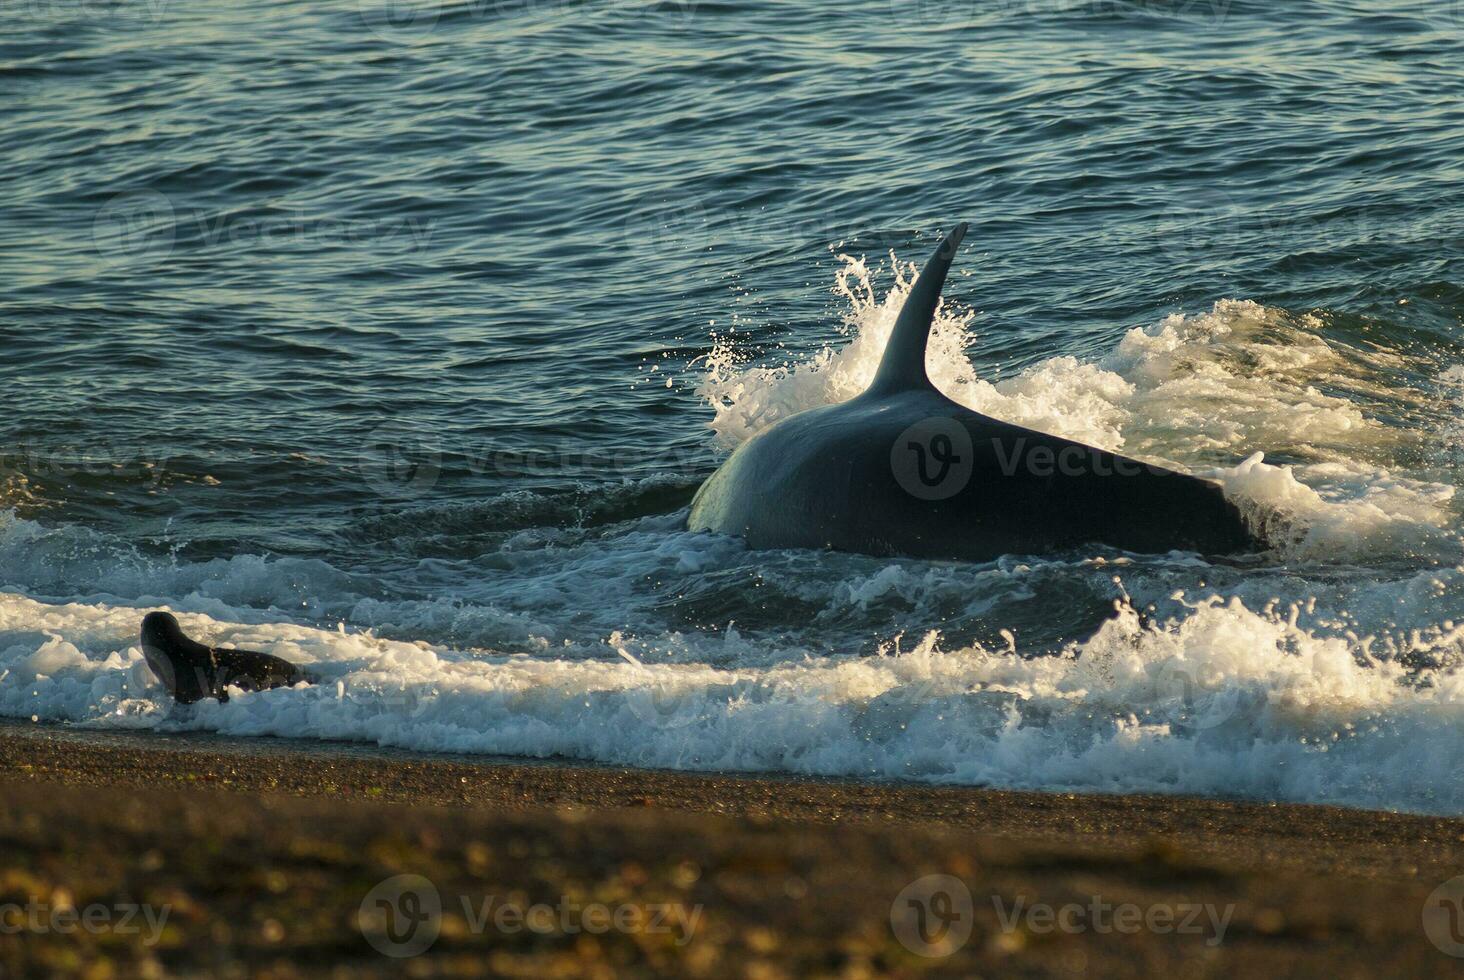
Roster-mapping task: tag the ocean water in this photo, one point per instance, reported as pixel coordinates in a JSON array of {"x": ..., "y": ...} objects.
[{"x": 394, "y": 339}]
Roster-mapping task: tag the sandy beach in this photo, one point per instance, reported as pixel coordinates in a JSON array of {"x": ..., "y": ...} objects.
[{"x": 193, "y": 853}]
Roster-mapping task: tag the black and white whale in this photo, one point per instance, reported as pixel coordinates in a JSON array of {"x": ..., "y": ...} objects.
[
  {"x": 903, "y": 470},
  {"x": 191, "y": 671}
]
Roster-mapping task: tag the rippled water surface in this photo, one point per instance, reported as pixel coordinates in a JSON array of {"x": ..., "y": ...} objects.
[{"x": 395, "y": 339}]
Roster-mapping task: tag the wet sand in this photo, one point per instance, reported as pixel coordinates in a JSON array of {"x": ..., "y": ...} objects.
[{"x": 262, "y": 852}]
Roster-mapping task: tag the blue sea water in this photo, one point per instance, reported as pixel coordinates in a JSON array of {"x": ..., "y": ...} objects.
[{"x": 395, "y": 338}]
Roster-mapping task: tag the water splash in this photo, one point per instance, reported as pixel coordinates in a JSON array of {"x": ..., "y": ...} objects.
[
  {"x": 1212, "y": 394},
  {"x": 1221, "y": 699}
]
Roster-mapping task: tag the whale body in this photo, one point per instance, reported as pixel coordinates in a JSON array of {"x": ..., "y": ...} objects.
[{"x": 902, "y": 470}]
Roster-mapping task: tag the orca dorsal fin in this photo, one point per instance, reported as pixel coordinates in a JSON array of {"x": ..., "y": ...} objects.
[{"x": 903, "y": 364}]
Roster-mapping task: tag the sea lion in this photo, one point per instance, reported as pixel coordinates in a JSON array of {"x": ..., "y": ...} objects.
[{"x": 191, "y": 671}]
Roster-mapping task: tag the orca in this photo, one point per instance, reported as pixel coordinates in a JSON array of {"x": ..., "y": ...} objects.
[
  {"x": 192, "y": 672},
  {"x": 902, "y": 470}
]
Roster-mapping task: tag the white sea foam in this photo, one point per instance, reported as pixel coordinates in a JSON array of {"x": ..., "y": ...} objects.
[{"x": 1224, "y": 700}]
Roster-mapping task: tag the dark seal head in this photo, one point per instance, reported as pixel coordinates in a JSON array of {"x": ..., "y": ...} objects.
[
  {"x": 161, "y": 627},
  {"x": 903, "y": 470},
  {"x": 191, "y": 671}
]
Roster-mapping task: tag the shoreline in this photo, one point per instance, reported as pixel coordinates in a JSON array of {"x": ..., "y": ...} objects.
[
  {"x": 265, "y": 853},
  {"x": 1348, "y": 839}
]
